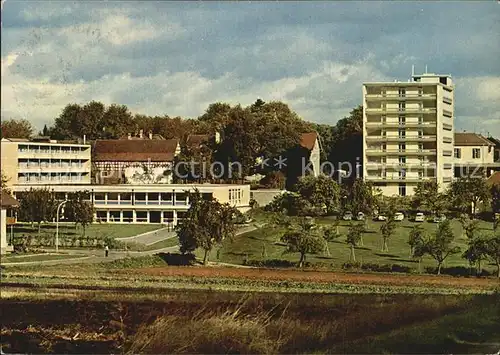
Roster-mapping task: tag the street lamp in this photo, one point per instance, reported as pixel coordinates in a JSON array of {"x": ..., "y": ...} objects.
[{"x": 57, "y": 224}]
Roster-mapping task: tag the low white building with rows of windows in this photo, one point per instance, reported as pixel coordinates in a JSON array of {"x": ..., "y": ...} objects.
[{"x": 148, "y": 203}]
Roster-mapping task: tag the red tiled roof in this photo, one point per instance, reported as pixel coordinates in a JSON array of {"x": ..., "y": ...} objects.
[
  {"x": 135, "y": 150},
  {"x": 494, "y": 179},
  {"x": 307, "y": 140},
  {"x": 197, "y": 139},
  {"x": 471, "y": 139},
  {"x": 7, "y": 200}
]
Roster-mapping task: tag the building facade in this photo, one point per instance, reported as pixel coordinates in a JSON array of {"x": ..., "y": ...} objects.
[
  {"x": 135, "y": 161},
  {"x": 45, "y": 161},
  {"x": 408, "y": 133},
  {"x": 474, "y": 155},
  {"x": 154, "y": 203},
  {"x": 310, "y": 141}
]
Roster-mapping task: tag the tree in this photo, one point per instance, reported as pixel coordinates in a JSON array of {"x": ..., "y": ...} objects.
[
  {"x": 466, "y": 193},
  {"x": 322, "y": 192},
  {"x": 493, "y": 251},
  {"x": 79, "y": 209},
  {"x": 476, "y": 251},
  {"x": 37, "y": 206},
  {"x": 303, "y": 238},
  {"x": 207, "y": 223},
  {"x": 354, "y": 235},
  {"x": 415, "y": 238},
  {"x": 116, "y": 122},
  {"x": 16, "y": 128},
  {"x": 289, "y": 203},
  {"x": 495, "y": 204},
  {"x": 360, "y": 196},
  {"x": 4, "y": 181},
  {"x": 427, "y": 195},
  {"x": 389, "y": 226},
  {"x": 440, "y": 245},
  {"x": 330, "y": 234}
]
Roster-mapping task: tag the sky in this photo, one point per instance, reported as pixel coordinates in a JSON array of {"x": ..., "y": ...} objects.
[{"x": 176, "y": 58}]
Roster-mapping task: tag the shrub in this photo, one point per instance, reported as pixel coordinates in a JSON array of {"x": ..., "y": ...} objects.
[
  {"x": 377, "y": 267},
  {"x": 277, "y": 263},
  {"x": 458, "y": 271},
  {"x": 176, "y": 259}
]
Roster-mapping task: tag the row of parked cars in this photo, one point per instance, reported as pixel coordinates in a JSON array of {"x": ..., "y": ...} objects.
[{"x": 399, "y": 216}]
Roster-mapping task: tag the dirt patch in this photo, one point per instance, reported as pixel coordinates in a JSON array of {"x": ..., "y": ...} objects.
[{"x": 319, "y": 276}]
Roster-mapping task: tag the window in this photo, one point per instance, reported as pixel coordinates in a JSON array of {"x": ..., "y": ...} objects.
[
  {"x": 383, "y": 160},
  {"x": 420, "y": 119},
  {"x": 402, "y": 160},
  {"x": 384, "y": 147},
  {"x": 458, "y": 153},
  {"x": 383, "y": 119},
  {"x": 402, "y": 92},
  {"x": 384, "y": 105},
  {"x": 402, "y": 106},
  {"x": 382, "y": 91},
  {"x": 402, "y": 120},
  {"x": 420, "y": 91},
  {"x": 402, "y": 189},
  {"x": 402, "y": 174},
  {"x": 402, "y": 147},
  {"x": 402, "y": 133},
  {"x": 420, "y": 175},
  {"x": 420, "y": 133},
  {"x": 476, "y": 153},
  {"x": 384, "y": 133},
  {"x": 420, "y": 146}
]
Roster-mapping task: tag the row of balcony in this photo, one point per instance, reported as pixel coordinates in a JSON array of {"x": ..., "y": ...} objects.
[
  {"x": 53, "y": 154},
  {"x": 378, "y": 151},
  {"x": 407, "y": 96},
  {"x": 52, "y": 168},
  {"x": 141, "y": 202},
  {"x": 427, "y": 138},
  {"x": 396, "y": 178},
  {"x": 401, "y": 124},
  {"x": 380, "y": 110},
  {"x": 397, "y": 166}
]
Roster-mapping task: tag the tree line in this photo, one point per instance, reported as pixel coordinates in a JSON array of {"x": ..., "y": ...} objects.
[{"x": 262, "y": 129}]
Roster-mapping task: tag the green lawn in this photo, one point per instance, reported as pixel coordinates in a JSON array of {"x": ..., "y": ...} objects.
[
  {"x": 251, "y": 246},
  {"x": 37, "y": 257},
  {"x": 96, "y": 230}
]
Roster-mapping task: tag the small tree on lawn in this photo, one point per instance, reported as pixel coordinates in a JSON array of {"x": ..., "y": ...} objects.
[
  {"x": 37, "y": 206},
  {"x": 330, "y": 234},
  {"x": 416, "y": 237},
  {"x": 493, "y": 251},
  {"x": 466, "y": 193},
  {"x": 303, "y": 238},
  {"x": 207, "y": 224},
  {"x": 439, "y": 246},
  {"x": 79, "y": 209},
  {"x": 427, "y": 196},
  {"x": 476, "y": 251},
  {"x": 353, "y": 238},
  {"x": 469, "y": 227}
]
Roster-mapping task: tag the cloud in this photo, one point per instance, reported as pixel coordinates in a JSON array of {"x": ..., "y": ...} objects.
[{"x": 177, "y": 58}]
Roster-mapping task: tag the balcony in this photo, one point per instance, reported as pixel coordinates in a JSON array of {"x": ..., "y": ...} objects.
[
  {"x": 379, "y": 110},
  {"x": 400, "y": 152},
  {"x": 53, "y": 168},
  {"x": 397, "y": 178},
  {"x": 401, "y": 125},
  {"x": 398, "y": 97},
  {"x": 399, "y": 166},
  {"x": 427, "y": 138},
  {"x": 47, "y": 154}
]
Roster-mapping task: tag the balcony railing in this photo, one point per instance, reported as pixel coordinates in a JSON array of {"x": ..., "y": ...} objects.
[
  {"x": 399, "y": 178},
  {"x": 400, "y": 138},
  {"x": 401, "y": 96},
  {"x": 398, "y": 166},
  {"x": 401, "y": 124},
  {"x": 401, "y": 151},
  {"x": 380, "y": 110}
]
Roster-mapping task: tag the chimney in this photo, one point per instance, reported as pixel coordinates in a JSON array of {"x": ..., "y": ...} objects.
[
  {"x": 129, "y": 136},
  {"x": 141, "y": 133},
  {"x": 84, "y": 139},
  {"x": 217, "y": 137},
  {"x": 150, "y": 135}
]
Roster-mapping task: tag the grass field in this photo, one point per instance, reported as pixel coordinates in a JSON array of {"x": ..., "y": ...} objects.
[
  {"x": 264, "y": 244},
  {"x": 95, "y": 230},
  {"x": 37, "y": 257}
]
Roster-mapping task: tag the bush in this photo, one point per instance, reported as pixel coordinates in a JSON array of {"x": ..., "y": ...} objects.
[
  {"x": 176, "y": 259},
  {"x": 277, "y": 263},
  {"x": 289, "y": 203},
  {"x": 377, "y": 267},
  {"x": 458, "y": 271}
]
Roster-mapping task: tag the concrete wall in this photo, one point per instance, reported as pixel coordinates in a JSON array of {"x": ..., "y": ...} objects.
[{"x": 8, "y": 164}]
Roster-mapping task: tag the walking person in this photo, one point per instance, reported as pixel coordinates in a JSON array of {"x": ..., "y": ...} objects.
[{"x": 106, "y": 251}]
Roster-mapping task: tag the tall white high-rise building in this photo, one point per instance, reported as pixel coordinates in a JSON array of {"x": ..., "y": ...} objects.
[{"x": 408, "y": 133}]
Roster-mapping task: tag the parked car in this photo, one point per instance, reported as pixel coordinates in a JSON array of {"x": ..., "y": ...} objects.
[
  {"x": 347, "y": 216},
  {"x": 419, "y": 217},
  {"x": 439, "y": 219},
  {"x": 360, "y": 216},
  {"x": 380, "y": 218},
  {"x": 399, "y": 216}
]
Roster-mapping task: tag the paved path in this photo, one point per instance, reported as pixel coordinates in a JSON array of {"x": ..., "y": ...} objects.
[
  {"x": 150, "y": 237},
  {"x": 89, "y": 256}
]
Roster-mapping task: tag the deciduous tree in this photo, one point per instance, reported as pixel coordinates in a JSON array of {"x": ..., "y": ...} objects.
[
  {"x": 466, "y": 193},
  {"x": 322, "y": 192},
  {"x": 303, "y": 238},
  {"x": 354, "y": 235},
  {"x": 37, "y": 206},
  {"x": 16, "y": 128}
]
